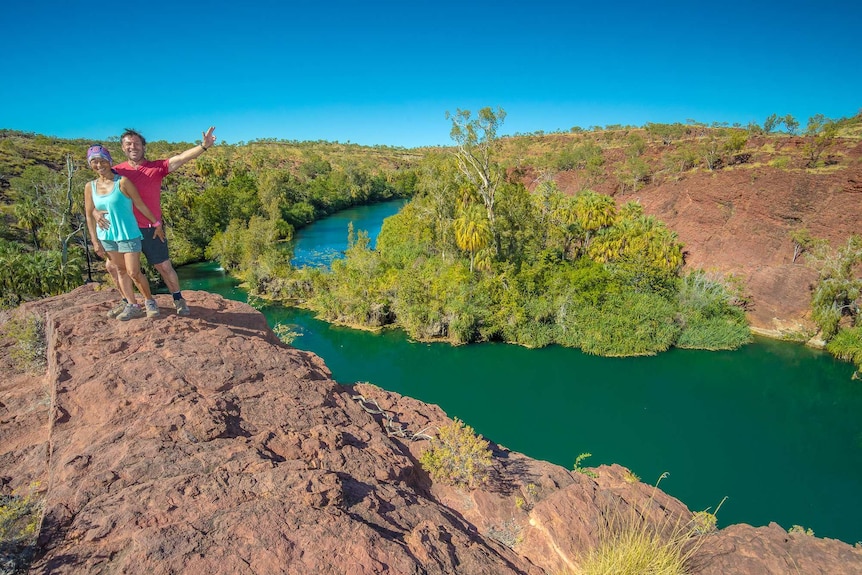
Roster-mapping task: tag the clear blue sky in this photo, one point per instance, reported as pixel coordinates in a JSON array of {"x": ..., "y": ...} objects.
[{"x": 386, "y": 72}]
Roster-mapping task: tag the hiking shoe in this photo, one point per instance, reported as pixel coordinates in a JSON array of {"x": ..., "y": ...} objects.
[
  {"x": 117, "y": 310},
  {"x": 182, "y": 306},
  {"x": 151, "y": 307},
  {"x": 131, "y": 311}
]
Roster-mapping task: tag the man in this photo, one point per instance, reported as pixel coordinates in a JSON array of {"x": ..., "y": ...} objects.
[{"x": 147, "y": 176}]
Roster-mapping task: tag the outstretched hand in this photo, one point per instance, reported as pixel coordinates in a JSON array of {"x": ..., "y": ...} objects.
[{"x": 208, "y": 137}]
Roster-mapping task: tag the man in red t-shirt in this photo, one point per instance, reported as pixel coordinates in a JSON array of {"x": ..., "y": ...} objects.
[{"x": 147, "y": 176}]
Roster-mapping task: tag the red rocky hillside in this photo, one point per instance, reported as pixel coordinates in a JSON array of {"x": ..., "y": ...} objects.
[{"x": 737, "y": 218}]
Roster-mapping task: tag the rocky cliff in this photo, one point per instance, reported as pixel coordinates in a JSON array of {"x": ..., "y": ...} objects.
[
  {"x": 205, "y": 445},
  {"x": 738, "y": 220}
]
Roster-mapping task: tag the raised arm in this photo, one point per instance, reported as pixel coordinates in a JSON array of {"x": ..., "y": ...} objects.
[{"x": 208, "y": 139}]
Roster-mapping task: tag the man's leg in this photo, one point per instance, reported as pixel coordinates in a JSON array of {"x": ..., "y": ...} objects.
[
  {"x": 169, "y": 275},
  {"x": 156, "y": 252}
]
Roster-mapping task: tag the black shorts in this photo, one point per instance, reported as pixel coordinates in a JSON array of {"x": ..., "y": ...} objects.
[{"x": 154, "y": 249}]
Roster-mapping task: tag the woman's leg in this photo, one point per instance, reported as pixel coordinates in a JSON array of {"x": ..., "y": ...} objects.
[
  {"x": 124, "y": 281},
  {"x": 133, "y": 266}
]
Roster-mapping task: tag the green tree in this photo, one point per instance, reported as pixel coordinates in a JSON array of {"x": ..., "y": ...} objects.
[
  {"x": 593, "y": 212},
  {"x": 640, "y": 241},
  {"x": 635, "y": 145},
  {"x": 736, "y": 141},
  {"x": 476, "y": 142},
  {"x": 472, "y": 231},
  {"x": 803, "y": 241},
  {"x": 30, "y": 215},
  {"x": 820, "y": 135},
  {"x": 633, "y": 173},
  {"x": 838, "y": 290},
  {"x": 667, "y": 133},
  {"x": 710, "y": 151},
  {"x": 770, "y": 123},
  {"x": 791, "y": 126},
  {"x": 437, "y": 189}
]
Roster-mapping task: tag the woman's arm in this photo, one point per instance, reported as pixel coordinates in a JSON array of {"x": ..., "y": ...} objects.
[
  {"x": 131, "y": 192},
  {"x": 91, "y": 221}
]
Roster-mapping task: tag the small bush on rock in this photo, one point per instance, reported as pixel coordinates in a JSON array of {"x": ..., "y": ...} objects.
[
  {"x": 20, "y": 518},
  {"x": 457, "y": 456},
  {"x": 30, "y": 348}
]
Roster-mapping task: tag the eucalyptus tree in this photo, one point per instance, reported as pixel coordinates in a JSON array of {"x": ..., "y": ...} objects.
[
  {"x": 820, "y": 134},
  {"x": 476, "y": 141},
  {"x": 838, "y": 292},
  {"x": 770, "y": 123},
  {"x": 436, "y": 198},
  {"x": 791, "y": 125}
]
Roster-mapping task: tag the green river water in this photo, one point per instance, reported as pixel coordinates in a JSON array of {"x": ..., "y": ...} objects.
[{"x": 775, "y": 427}]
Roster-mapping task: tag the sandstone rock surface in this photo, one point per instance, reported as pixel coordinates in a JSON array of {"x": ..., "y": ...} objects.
[{"x": 203, "y": 444}]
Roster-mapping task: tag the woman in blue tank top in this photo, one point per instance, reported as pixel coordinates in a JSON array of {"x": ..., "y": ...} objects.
[{"x": 121, "y": 241}]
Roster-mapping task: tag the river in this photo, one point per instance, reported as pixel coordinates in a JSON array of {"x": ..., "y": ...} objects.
[{"x": 775, "y": 427}]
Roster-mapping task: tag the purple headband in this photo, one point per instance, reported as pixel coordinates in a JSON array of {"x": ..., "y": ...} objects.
[{"x": 98, "y": 151}]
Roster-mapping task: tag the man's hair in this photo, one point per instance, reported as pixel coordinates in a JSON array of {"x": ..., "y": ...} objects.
[{"x": 131, "y": 132}]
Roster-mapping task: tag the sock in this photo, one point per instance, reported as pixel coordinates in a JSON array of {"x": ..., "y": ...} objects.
[{"x": 177, "y": 295}]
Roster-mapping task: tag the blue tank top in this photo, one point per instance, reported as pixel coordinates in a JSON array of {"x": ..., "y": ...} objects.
[{"x": 120, "y": 214}]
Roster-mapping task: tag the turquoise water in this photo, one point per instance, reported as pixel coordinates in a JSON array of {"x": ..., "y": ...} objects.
[
  {"x": 775, "y": 426},
  {"x": 318, "y": 244}
]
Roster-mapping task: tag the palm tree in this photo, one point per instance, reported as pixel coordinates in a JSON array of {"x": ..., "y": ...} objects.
[
  {"x": 594, "y": 212},
  {"x": 30, "y": 215},
  {"x": 472, "y": 231}
]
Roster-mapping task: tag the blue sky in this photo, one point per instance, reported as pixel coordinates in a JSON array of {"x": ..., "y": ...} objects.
[{"x": 384, "y": 72}]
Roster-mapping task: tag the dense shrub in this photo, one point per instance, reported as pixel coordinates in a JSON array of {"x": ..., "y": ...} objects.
[{"x": 457, "y": 456}]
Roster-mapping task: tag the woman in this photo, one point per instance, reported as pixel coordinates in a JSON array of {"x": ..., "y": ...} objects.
[{"x": 116, "y": 195}]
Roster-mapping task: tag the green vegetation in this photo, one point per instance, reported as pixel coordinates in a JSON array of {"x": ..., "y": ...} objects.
[
  {"x": 847, "y": 345},
  {"x": 837, "y": 290},
  {"x": 835, "y": 300},
  {"x": 799, "y": 529},
  {"x": 457, "y": 456},
  {"x": 577, "y": 468},
  {"x": 236, "y": 205},
  {"x": 30, "y": 348},
  {"x": 630, "y": 476},
  {"x": 636, "y": 547},
  {"x": 476, "y": 257},
  {"x": 285, "y": 333},
  {"x": 630, "y": 543},
  {"x": 473, "y": 257},
  {"x": 705, "y": 522},
  {"x": 20, "y": 521}
]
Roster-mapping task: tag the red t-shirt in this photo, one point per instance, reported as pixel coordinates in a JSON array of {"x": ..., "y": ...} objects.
[{"x": 147, "y": 177}]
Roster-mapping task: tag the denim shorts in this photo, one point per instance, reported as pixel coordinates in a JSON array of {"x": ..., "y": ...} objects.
[{"x": 122, "y": 246}]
